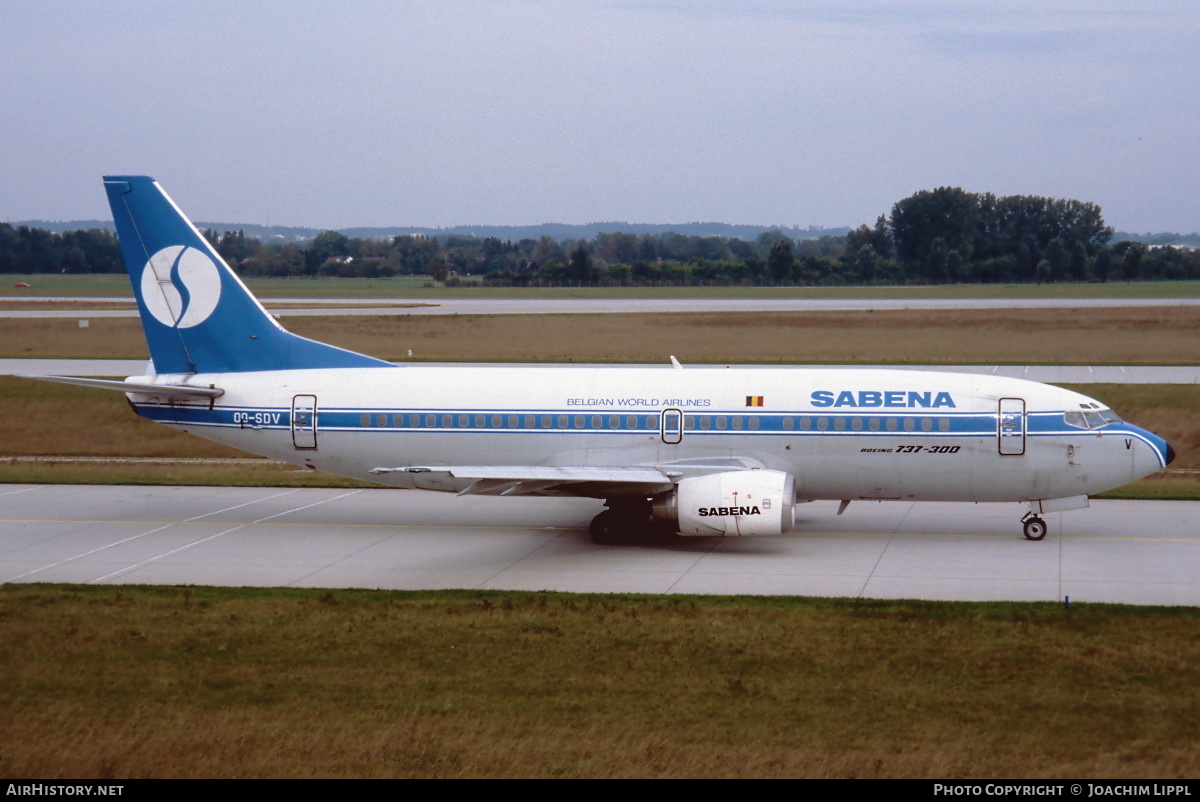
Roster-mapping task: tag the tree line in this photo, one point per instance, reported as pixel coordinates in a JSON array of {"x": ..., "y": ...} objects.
[
  {"x": 24, "y": 249},
  {"x": 945, "y": 235}
]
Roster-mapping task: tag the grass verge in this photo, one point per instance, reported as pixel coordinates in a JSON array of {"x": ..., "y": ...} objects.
[
  {"x": 1121, "y": 336},
  {"x": 247, "y": 473},
  {"x": 128, "y": 682}
]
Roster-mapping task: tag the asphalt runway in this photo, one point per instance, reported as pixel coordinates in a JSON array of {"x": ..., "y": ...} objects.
[
  {"x": 1116, "y": 551},
  {"x": 1056, "y": 374}
]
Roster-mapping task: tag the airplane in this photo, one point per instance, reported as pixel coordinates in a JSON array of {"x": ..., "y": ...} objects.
[{"x": 699, "y": 452}]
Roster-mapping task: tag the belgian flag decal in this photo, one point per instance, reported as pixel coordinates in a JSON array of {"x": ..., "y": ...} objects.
[{"x": 754, "y": 400}]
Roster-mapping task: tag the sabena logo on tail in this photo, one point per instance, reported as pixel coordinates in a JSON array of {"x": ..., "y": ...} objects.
[
  {"x": 181, "y": 286},
  {"x": 197, "y": 315}
]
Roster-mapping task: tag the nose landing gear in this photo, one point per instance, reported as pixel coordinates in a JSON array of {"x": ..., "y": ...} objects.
[{"x": 1035, "y": 527}]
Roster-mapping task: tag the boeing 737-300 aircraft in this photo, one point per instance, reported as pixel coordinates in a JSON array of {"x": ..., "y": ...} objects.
[{"x": 707, "y": 452}]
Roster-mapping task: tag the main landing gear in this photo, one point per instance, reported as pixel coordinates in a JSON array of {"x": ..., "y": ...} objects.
[
  {"x": 625, "y": 521},
  {"x": 1035, "y": 527}
]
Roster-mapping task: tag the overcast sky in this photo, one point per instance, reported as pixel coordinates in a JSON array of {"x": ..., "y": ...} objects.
[{"x": 434, "y": 114}]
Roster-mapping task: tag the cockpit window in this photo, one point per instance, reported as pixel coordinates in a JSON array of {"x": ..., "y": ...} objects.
[
  {"x": 1074, "y": 419},
  {"x": 1090, "y": 418}
]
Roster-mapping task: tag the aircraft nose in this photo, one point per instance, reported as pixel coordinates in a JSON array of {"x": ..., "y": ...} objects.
[{"x": 1170, "y": 454}]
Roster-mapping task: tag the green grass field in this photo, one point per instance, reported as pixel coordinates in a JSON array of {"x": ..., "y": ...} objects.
[
  {"x": 1072, "y": 336},
  {"x": 130, "y": 682}
]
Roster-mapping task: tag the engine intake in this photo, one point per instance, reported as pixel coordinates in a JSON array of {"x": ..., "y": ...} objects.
[{"x": 730, "y": 504}]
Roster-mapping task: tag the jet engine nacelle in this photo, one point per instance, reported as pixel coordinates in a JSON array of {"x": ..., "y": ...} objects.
[{"x": 730, "y": 504}]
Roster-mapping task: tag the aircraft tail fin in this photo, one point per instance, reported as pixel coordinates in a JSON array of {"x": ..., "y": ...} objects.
[{"x": 197, "y": 315}]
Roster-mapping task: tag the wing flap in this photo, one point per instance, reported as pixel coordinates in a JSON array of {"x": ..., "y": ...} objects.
[{"x": 535, "y": 480}]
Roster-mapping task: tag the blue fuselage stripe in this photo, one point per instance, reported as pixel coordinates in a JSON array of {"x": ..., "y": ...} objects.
[{"x": 807, "y": 423}]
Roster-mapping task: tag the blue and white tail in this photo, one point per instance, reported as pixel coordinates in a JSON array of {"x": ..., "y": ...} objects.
[{"x": 197, "y": 315}]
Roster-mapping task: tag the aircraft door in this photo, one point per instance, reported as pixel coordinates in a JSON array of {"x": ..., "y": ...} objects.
[
  {"x": 304, "y": 422},
  {"x": 1010, "y": 427},
  {"x": 672, "y": 426}
]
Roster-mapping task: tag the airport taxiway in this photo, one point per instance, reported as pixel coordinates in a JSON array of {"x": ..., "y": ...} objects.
[
  {"x": 1134, "y": 552},
  {"x": 591, "y": 306},
  {"x": 1054, "y": 374}
]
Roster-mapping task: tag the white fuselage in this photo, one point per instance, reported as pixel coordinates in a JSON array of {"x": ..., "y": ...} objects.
[{"x": 843, "y": 434}]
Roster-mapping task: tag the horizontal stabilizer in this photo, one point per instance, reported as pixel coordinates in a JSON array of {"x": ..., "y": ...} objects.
[{"x": 163, "y": 390}]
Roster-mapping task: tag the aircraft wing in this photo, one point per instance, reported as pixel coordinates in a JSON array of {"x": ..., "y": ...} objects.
[
  {"x": 538, "y": 480},
  {"x": 594, "y": 481},
  {"x": 163, "y": 390}
]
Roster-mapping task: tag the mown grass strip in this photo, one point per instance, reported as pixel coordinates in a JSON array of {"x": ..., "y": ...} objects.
[
  {"x": 1122, "y": 336},
  {"x": 209, "y": 682}
]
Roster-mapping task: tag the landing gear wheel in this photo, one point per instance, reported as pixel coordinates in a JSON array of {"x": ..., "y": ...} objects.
[
  {"x": 609, "y": 528},
  {"x": 1035, "y": 528},
  {"x": 622, "y": 523}
]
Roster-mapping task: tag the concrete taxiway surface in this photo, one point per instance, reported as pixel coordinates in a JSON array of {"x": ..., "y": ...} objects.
[
  {"x": 1116, "y": 551},
  {"x": 577, "y": 306},
  {"x": 1062, "y": 374}
]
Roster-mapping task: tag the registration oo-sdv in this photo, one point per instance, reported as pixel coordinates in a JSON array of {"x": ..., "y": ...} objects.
[{"x": 707, "y": 452}]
